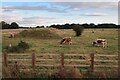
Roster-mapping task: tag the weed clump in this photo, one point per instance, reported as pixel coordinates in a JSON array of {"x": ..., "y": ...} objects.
[{"x": 72, "y": 73}]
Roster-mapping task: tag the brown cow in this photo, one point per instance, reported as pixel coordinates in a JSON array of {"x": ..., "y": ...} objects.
[{"x": 66, "y": 40}]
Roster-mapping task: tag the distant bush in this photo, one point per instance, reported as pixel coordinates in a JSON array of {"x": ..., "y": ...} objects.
[
  {"x": 40, "y": 34},
  {"x": 21, "y": 47},
  {"x": 78, "y": 29}
]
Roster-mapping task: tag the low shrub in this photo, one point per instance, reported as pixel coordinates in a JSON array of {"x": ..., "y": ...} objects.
[
  {"x": 21, "y": 47},
  {"x": 78, "y": 29}
]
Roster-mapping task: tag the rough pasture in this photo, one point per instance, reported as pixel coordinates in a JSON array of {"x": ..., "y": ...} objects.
[{"x": 82, "y": 44}]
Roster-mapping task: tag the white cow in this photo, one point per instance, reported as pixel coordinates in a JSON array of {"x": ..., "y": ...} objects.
[{"x": 100, "y": 42}]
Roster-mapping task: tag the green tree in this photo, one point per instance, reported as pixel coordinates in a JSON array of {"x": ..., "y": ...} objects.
[
  {"x": 78, "y": 29},
  {"x": 14, "y": 25},
  {"x": 4, "y": 25}
]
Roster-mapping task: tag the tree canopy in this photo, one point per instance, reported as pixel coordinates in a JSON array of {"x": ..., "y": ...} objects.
[{"x": 5, "y": 25}]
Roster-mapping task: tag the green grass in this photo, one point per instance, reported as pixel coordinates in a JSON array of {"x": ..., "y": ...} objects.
[{"x": 82, "y": 44}]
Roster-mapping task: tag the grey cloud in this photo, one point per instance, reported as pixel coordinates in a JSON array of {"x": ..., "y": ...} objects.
[
  {"x": 85, "y": 5},
  {"x": 60, "y": 0},
  {"x": 67, "y": 6},
  {"x": 33, "y": 20},
  {"x": 35, "y": 8},
  {"x": 94, "y": 14},
  {"x": 36, "y": 20},
  {"x": 12, "y": 17},
  {"x": 38, "y": 17}
]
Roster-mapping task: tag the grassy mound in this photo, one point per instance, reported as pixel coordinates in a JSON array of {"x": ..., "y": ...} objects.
[{"x": 40, "y": 34}]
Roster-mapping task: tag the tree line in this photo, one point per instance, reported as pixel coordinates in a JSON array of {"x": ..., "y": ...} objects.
[
  {"x": 14, "y": 25},
  {"x": 91, "y": 25}
]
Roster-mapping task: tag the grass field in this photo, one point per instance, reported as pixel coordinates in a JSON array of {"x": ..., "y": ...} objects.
[
  {"x": 43, "y": 43},
  {"x": 82, "y": 44}
]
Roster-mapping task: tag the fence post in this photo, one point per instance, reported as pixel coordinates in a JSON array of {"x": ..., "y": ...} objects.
[
  {"x": 16, "y": 65},
  {"x": 5, "y": 59},
  {"x": 92, "y": 62},
  {"x": 33, "y": 60},
  {"x": 15, "y": 71},
  {"x": 62, "y": 60}
]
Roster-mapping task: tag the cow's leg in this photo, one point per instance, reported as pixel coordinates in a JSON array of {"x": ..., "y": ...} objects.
[
  {"x": 70, "y": 42},
  {"x": 62, "y": 41},
  {"x": 106, "y": 44},
  {"x": 13, "y": 35},
  {"x": 65, "y": 41},
  {"x": 94, "y": 43},
  {"x": 103, "y": 44}
]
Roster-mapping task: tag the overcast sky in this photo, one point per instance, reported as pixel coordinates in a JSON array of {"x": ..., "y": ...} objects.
[
  {"x": 47, "y": 13},
  {"x": 60, "y": 0}
]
